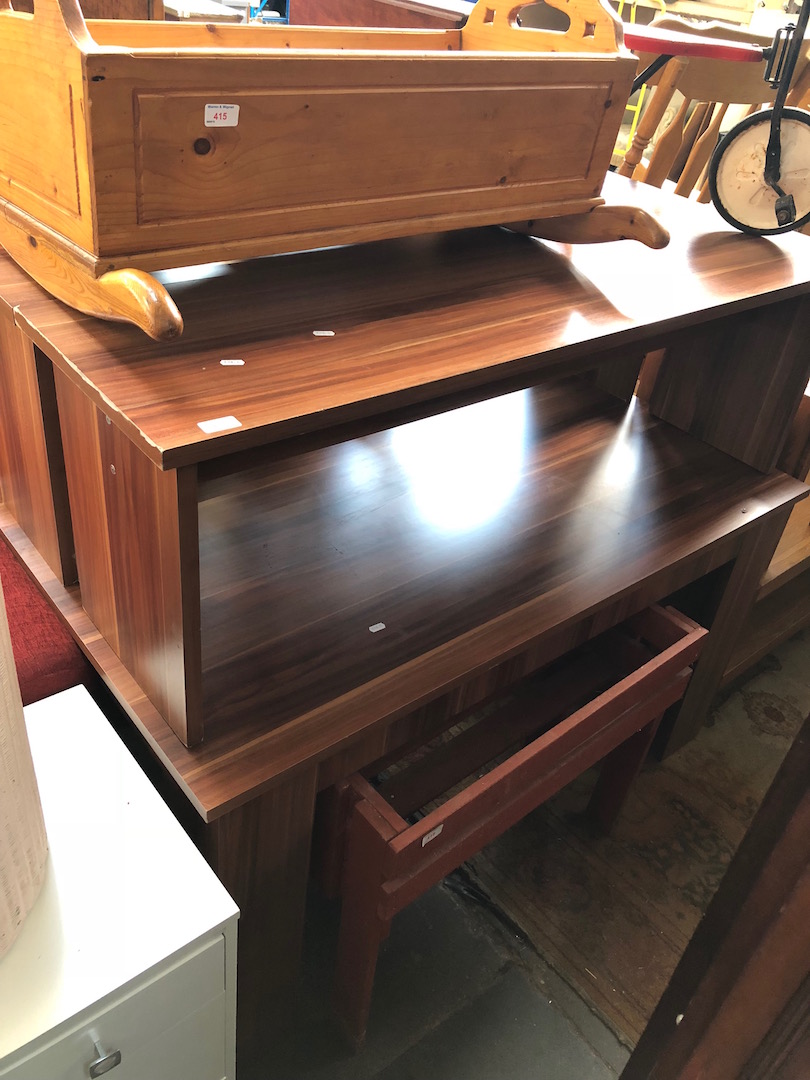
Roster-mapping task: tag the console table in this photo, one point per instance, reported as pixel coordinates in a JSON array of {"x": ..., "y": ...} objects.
[{"x": 371, "y": 485}]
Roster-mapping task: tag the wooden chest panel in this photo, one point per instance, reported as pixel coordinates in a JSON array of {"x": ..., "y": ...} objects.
[
  {"x": 399, "y": 144},
  {"x": 314, "y": 149}
]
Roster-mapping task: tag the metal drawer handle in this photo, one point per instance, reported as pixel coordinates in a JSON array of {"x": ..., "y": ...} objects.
[{"x": 104, "y": 1062}]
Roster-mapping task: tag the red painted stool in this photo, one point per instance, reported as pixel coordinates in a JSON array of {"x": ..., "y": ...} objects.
[{"x": 600, "y": 703}]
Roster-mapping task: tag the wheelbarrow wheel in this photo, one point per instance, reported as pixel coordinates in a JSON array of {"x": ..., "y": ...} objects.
[{"x": 737, "y": 172}]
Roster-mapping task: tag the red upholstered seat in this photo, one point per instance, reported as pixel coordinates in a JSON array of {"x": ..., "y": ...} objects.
[
  {"x": 657, "y": 39},
  {"x": 47, "y": 657}
]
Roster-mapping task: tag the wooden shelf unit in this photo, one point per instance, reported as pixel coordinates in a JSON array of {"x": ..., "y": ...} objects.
[{"x": 240, "y": 528}]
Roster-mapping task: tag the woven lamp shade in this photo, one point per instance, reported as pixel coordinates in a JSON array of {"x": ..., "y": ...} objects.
[{"x": 23, "y": 843}]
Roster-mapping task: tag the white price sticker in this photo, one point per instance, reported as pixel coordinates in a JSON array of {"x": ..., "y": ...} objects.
[
  {"x": 221, "y": 115},
  {"x": 221, "y": 423},
  {"x": 432, "y": 834}
]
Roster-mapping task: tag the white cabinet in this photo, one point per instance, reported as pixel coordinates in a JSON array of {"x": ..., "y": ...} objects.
[{"x": 126, "y": 966}]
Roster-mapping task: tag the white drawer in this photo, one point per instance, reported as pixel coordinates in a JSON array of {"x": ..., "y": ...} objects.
[{"x": 170, "y": 1027}]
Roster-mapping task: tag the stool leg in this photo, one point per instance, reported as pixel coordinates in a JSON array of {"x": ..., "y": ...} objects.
[
  {"x": 619, "y": 770},
  {"x": 361, "y": 926},
  {"x": 333, "y": 810}
]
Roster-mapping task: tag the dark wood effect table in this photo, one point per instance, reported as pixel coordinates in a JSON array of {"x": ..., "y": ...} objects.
[{"x": 423, "y": 481}]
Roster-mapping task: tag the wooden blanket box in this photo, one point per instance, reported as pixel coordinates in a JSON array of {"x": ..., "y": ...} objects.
[{"x": 133, "y": 147}]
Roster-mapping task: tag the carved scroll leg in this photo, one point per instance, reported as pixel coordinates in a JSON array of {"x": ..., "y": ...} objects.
[
  {"x": 597, "y": 226},
  {"x": 127, "y": 295},
  {"x": 136, "y": 297}
]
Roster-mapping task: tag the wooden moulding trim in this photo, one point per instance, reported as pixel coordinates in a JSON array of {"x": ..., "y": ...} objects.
[
  {"x": 69, "y": 273},
  {"x": 191, "y": 254},
  {"x": 30, "y": 226},
  {"x": 261, "y": 244}
]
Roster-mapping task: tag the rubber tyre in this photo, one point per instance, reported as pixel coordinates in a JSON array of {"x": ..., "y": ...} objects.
[{"x": 737, "y": 167}]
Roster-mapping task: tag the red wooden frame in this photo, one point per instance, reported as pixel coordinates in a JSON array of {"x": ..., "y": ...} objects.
[{"x": 389, "y": 861}]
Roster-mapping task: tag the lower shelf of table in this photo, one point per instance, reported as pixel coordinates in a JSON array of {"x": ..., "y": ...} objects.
[{"x": 410, "y": 559}]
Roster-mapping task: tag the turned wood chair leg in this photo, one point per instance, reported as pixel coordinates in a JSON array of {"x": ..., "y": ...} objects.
[
  {"x": 653, "y": 115},
  {"x": 618, "y": 771},
  {"x": 362, "y": 928}
]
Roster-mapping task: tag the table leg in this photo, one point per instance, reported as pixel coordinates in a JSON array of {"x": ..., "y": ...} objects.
[
  {"x": 261, "y": 852},
  {"x": 734, "y": 604}
]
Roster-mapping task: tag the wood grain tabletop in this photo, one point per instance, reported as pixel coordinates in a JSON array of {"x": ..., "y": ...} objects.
[{"x": 310, "y": 340}]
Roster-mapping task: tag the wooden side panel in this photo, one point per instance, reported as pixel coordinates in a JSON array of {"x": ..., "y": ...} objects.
[
  {"x": 137, "y": 556},
  {"x": 729, "y": 619},
  {"x": 31, "y": 469},
  {"x": 792, "y": 555},
  {"x": 784, "y": 1053},
  {"x": 86, "y": 490},
  {"x": 737, "y": 382},
  {"x": 43, "y": 144}
]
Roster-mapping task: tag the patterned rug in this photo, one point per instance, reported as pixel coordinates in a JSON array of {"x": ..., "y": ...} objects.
[
  {"x": 47, "y": 658},
  {"x": 612, "y": 915}
]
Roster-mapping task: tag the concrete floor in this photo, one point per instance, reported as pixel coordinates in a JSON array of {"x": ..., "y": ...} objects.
[{"x": 458, "y": 995}]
